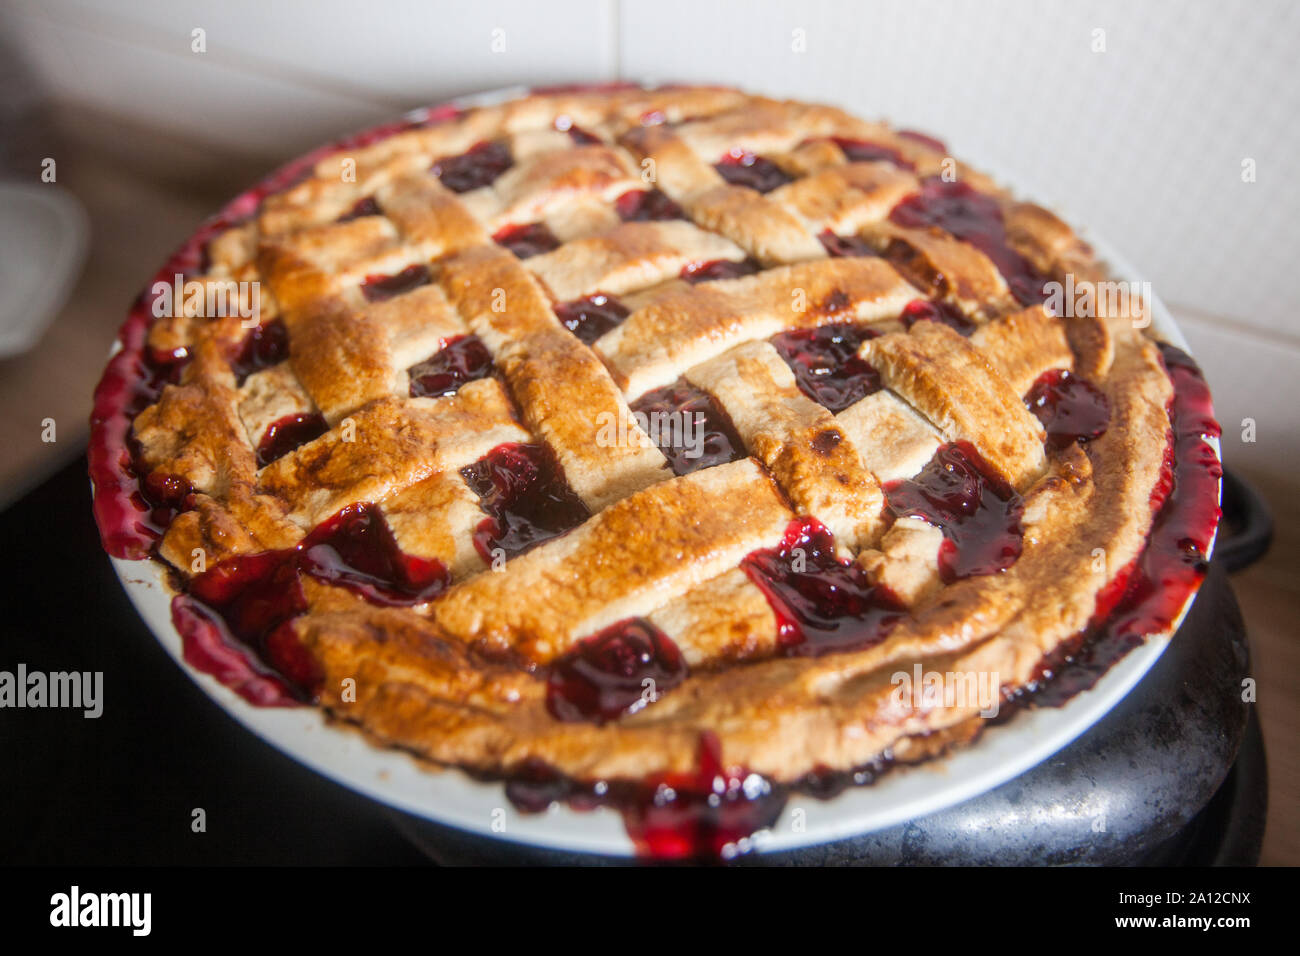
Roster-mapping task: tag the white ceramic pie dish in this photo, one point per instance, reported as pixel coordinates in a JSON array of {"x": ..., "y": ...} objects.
[{"x": 451, "y": 797}]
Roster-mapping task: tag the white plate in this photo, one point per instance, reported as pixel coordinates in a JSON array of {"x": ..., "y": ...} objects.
[{"x": 450, "y": 797}]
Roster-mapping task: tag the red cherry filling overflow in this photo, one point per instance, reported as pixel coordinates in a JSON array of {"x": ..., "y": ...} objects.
[
  {"x": 478, "y": 167},
  {"x": 706, "y": 815},
  {"x": 377, "y": 288},
  {"x": 592, "y": 317},
  {"x": 1146, "y": 597},
  {"x": 976, "y": 218},
  {"x": 826, "y": 364},
  {"x": 253, "y": 598},
  {"x": 822, "y": 604},
  {"x": 286, "y": 434},
  {"x": 689, "y": 427},
  {"x": 463, "y": 359},
  {"x": 978, "y": 512},
  {"x": 523, "y": 492},
  {"x": 618, "y": 671},
  {"x": 1071, "y": 409},
  {"x": 742, "y": 168}
]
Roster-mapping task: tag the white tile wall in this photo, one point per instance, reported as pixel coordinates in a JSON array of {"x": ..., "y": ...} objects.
[{"x": 1144, "y": 141}]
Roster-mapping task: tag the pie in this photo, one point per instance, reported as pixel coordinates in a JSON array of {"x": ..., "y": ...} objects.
[{"x": 627, "y": 445}]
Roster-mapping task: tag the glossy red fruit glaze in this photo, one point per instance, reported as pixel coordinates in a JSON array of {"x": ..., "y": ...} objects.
[
  {"x": 527, "y": 240},
  {"x": 288, "y": 433},
  {"x": 822, "y": 604},
  {"x": 923, "y": 310},
  {"x": 842, "y": 247},
  {"x": 863, "y": 151},
  {"x": 356, "y": 549},
  {"x": 462, "y": 359},
  {"x": 522, "y": 490},
  {"x": 978, "y": 512},
  {"x": 264, "y": 346},
  {"x": 592, "y": 317},
  {"x": 1148, "y": 596},
  {"x": 706, "y": 815},
  {"x": 671, "y": 410},
  {"x": 698, "y": 272},
  {"x": 368, "y": 206},
  {"x": 826, "y": 364},
  {"x": 977, "y": 219},
  {"x": 133, "y": 373},
  {"x": 236, "y": 619},
  {"x": 207, "y": 646},
  {"x": 743, "y": 168},
  {"x": 129, "y": 519},
  {"x": 576, "y": 133},
  {"x": 479, "y": 166},
  {"x": 604, "y": 677},
  {"x": 377, "y": 288},
  {"x": 1071, "y": 409},
  {"x": 647, "y": 205}
]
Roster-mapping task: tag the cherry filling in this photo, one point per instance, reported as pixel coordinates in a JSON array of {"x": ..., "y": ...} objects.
[
  {"x": 377, "y": 288},
  {"x": 707, "y": 814},
  {"x": 576, "y": 133},
  {"x": 842, "y": 247},
  {"x": 689, "y": 428},
  {"x": 822, "y": 604},
  {"x": 356, "y": 549},
  {"x": 647, "y": 205},
  {"x": 618, "y": 671},
  {"x": 264, "y": 346},
  {"x": 826, "y": 364},
  {"x": 742, "y": 168},
  {"x": 977, "y": 511},
  {"x": 256, "y": 596},
  {"x": 288, "y": 433},
  {"x": 592, "y": 317},
  {"x": 975, "y": 218},
  {"x": 478, "y": 167},
  {"x": 863, "y": 151},
  {"x": 923, "y": 310},
  {"x": 718, "y": 269},
  {"x": 527, "y": 240},
  {"x": 361, "y": 208},
  {"x": 1071, "y": 409},
  {"x": 522, "y": 490},
  {"x": 463, "y": 359},
  {"x": 1147, "y": 597},
  {"x": 938, "y": 145}
]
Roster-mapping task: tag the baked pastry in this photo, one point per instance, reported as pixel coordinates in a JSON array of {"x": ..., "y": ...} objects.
[{"x": 628, "y": 444}]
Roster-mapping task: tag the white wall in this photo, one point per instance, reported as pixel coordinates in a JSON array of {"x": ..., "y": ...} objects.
[{"x": 1144, "y": 141}]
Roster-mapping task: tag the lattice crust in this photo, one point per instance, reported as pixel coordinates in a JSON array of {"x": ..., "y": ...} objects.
[{"x": 664, "y": 548}]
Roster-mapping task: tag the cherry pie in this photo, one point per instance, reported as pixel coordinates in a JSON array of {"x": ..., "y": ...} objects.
[{"x": 623, "y": 444}]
